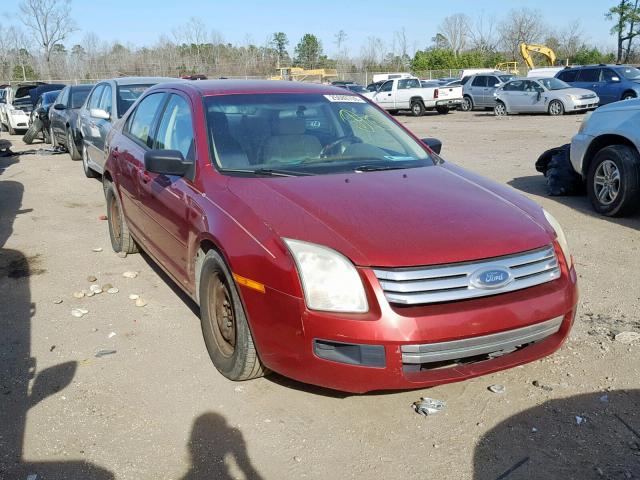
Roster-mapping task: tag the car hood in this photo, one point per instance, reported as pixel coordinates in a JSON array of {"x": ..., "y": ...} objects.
[
  {"x": 574, "y": 91},
  {"x": 418, "y": 216}
]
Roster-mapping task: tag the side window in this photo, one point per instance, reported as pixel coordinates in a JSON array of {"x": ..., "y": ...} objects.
[
  {"x": 63, "y": 98},
  {"x": 608, "y": 74},
  {"x": 387, "y": 86},
  {"x": 480, "y": 81},
  {"x": 515, "y": 86},
  {"x": 140, "y": 122},
  {"x": 413, "y": 83},
  {"x": 589, "y": 75},
  {"x": 492, "y": 81},
  {"x": 175, "y": 131},
  {"x": 106, "y": 100},
  {"x": 403, "y": 84},
  {"x": 568, "y": 75},
  {"x": 94, "y": 101}
]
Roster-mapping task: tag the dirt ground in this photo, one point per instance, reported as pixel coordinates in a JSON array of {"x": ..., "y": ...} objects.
[{"x": 158, "y": 409}]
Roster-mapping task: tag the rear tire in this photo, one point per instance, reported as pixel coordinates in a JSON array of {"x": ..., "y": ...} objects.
[
  {"x": 417, "y": 108},
  {"x": 71, "y": 146},
  {"x": 224, "y": 324},
  {"x": 467, "y": 104},
  {"x": 88, "y": 171},
  {"x": 613, "y": 181},
  {"x": 628, "y": 96},
  {"x": 121, "y": 239},
  {"x": 556, "y": 108},
  {"x": 442, "y": 110}
]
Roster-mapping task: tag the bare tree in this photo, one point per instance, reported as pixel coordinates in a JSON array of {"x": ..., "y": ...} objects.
[
  {"x": 521, "y": 26},
  {"x": 482, "y": 34},
  {"x": 49, "y": 21},
  {"x": 372, "y": 52},
  {"x": 455, "y": 29}
]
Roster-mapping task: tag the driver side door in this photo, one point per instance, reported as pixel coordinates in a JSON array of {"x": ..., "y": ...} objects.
[{"x": 384, "y": 97}]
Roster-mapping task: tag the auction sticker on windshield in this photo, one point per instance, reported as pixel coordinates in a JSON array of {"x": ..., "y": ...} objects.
[{"x": 344, "y": 98}]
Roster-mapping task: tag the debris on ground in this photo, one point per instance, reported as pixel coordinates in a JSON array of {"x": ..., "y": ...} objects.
[
  {"x": 52, "y": 348},
  {"x": 239, "y": 389},
  {"x": 580, "y": 420},
  {"x": 79, "y": 312},
  {"x": 57, "y": 301},
  {"x": 627, "y": 337},
  {"x": 546, "y": 388},
  {"x": 297, "y": 459},
  {"x": 112, "y": 290},
  {"x": 140, "y": 302},
  {"x": 78, "y": 294},
  {"x": 106, "y": 287},
  {"x": 90, "y": 293},
  {"x": 102, "y": 217},
  {"x": 428, "y": 406},
  {"x": 91, "y": 278},
  {"x": 500, "y": 389},
  {"x": 95, "y": 288},
  {"x": 130, "y": 274},
  {"x": 134, "y": 296},
  {"x": 112, "y": 334},
  {"x": 97, "y": 249},
  {"x": 104, "y": 353}
]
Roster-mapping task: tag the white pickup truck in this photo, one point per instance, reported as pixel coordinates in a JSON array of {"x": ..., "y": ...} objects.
[{"x": 407, "y": 94}]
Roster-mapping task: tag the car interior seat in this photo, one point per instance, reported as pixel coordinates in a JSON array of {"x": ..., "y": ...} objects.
[
  {"x": 229, "y": 151},
  {"x": 289, "y": 142}
]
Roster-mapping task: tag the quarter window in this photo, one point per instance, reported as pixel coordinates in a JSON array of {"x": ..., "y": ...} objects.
[
  {"x": 175, "y": 131},
  {"x": 140, "y": 122}
]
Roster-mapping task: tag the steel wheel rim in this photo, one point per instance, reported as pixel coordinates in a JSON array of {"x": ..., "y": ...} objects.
[
  {"x": 555, "y": 108},
  {"x": 500, "y": 109},
  {"x": 606, "y": 182},
  {"x": 222, "y": 318},
  {"x": 415, "y": 108},
  {"x": 115, "y": 221},
  {"x": 466, "y": 104}
]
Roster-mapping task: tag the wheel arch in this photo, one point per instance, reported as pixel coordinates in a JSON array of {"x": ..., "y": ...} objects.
[
  {"x": 631, "y": 91},
  {"x": 598, "y": 144},
  {"x": 203, "y": 245},
  {"x": 416, "y": 97}
]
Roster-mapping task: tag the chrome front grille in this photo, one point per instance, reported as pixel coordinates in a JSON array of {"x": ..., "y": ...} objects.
[{"x": 452, "y": 282}]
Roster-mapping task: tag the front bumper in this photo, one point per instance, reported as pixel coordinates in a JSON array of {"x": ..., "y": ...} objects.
[
  {"x": 579, "y": 145},
  {"x": 587, "y": 104},
  {"x": 288, "y": 336},
  {"x": 17, "y": 121}
]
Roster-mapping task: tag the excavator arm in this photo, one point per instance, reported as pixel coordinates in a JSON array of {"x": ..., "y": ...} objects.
[{"x": 526, "y": 48}]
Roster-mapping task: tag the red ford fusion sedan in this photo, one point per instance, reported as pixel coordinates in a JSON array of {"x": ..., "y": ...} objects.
[{"x": 325, "y": 242}]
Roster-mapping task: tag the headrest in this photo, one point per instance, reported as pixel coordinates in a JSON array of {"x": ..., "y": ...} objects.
[{"x": 290, "y": 126}]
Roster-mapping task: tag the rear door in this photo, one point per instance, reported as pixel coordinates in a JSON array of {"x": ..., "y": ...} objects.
[
  {"x": 476, "y": 90},
  {"x": 406, "y": 88},
  {"x": 129, "y": 155},
  {"x": 165, "y": 199},
  {"x": 589, "y": 78},
  {"x": 512, "y": 95},
  {"x": 489, "y": 99}
]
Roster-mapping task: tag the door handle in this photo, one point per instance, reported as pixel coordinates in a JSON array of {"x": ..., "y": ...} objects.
[{"x": 388, "y": 94}]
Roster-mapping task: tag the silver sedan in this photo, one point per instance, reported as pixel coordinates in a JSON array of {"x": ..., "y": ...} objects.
[{"x": 542, "y": 95}]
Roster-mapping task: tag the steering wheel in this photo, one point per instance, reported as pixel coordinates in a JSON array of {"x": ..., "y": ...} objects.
[{"x": 328, "y": 149}]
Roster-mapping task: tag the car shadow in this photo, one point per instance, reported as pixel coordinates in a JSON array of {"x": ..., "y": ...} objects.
[
  {"x": 594, "y": 435},
  {"x": 536, "y": 185}
]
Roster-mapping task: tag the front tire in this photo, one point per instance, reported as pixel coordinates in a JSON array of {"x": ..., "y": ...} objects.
[
  {"x": 121, "y": 239},
  {"x": 224, "y": 323},
  {"x": 613, "y": 181},
  {"x": 417, "y": 108},
  {"x": 88, "y": 171},
  {"x": 556, "y": 108},
  {"x": 500, "y": 109}
]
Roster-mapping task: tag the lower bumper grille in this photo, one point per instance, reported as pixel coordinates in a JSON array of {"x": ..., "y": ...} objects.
[{"x": 483, "y": 345}]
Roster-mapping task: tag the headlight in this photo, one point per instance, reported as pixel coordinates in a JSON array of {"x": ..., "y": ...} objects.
[
  {"x": 583, "y": 125},
  {"x": 329, "y": 280},
  {"x": 562, "y": 239}
]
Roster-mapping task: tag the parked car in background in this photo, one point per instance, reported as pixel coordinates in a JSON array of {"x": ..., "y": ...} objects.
[
  {"x": 409, "y": 94},
  {"x": 353, "y": 87},
  {"x": 610, "y": 82},
  {"x": 107, "y": 102},
  {"x": 14, "y": 112},
  {"x": 544, "y": 71},
  {"x": 63, "y": 118},
  {"x": 39, "y": 118},
  {"x": 606, "y": 154},
  {"x": 374, "y": 87},
  {"x": 383, "y": 77},
  {"x": 478, "y": 90},
  {"x": 542, "y": 95},
  {"x": 273, "y": 205},
  {"x": 37, "y": 92}
]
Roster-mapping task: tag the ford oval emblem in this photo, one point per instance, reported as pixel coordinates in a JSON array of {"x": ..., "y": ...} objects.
[{"x": 489, "y": 278}]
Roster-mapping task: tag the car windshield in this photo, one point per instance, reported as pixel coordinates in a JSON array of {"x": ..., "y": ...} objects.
[
  {"x": 505, "y": 78},
  {"x": 307, "y": 134},
  {"x": 554, "y": 84},
  {"x": 78, "y": 96},
  {"x": 630, "y": 73},
  {"x": 127, "y": 95}
]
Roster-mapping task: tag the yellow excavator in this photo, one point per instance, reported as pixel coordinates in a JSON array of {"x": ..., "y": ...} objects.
[
  {"x": 527, "y": 48},
  {"x": 301, "y": 75}
]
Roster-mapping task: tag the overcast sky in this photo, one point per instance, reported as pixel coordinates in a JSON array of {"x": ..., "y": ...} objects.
[{"x": 141, "y": 22}]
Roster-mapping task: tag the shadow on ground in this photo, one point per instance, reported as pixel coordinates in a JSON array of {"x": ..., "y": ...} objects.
[
  {"x": 536, "y": 185},
  {"x": 590, "y": 436}
]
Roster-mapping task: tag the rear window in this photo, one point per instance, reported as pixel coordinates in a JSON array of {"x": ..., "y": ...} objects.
[{"x": 127, "y": 95}]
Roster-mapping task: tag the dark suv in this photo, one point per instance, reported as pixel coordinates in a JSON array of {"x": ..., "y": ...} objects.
[{"x": 611, "y": 82}]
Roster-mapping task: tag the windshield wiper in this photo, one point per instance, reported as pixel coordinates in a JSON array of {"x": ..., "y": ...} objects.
[
  {"x": 378, "y": 168},
  {"x": 269, "y": 172}
]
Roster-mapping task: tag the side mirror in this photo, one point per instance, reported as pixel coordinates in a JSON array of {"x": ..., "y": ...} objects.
[
  {"x": 99, "y": 114},
  {"x": 615, "y": 79},
  {"x": 59, "y": 106},
  {"x": 433, "y": 143},
  {"x": 166, "y": 162}
]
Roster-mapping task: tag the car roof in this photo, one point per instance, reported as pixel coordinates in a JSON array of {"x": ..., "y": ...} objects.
[
  {"x": 229, "y": 87},
  {"x": 139, "y": 80},
  {"x": 610, "y": 65}
]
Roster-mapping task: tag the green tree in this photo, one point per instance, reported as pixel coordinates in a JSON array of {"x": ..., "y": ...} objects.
[
  {"x": 308, "y": 51},
  {"x": 279, "y": 43},
  {"x": 434, "y": 59},
  {"x": 626, "y": 16},
  {"x": 24, "y": 72}
]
